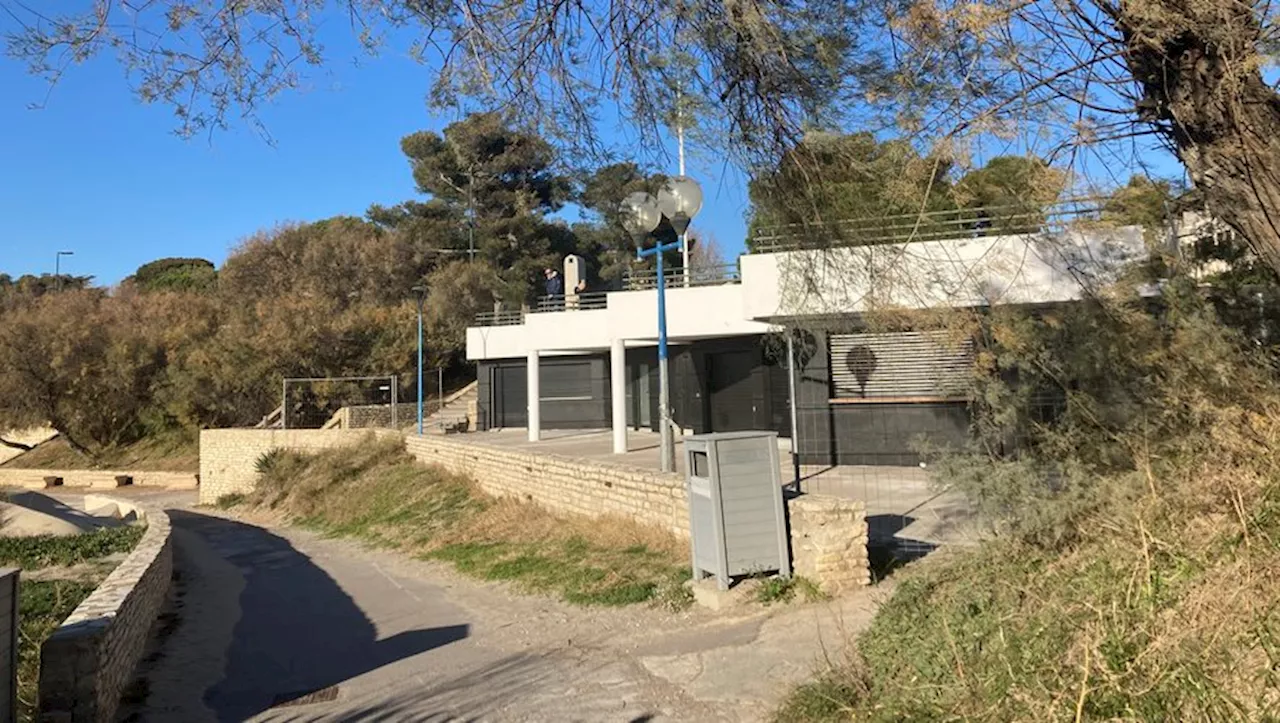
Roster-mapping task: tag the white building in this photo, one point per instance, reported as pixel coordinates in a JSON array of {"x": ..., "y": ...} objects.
[{"x": 591, "y": 361}]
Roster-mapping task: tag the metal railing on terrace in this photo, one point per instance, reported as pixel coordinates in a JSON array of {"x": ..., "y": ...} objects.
[
  {"x": 544, "y": 304},
  {"x": 573, "y": 302},
  {"x": 930, "y": 226},
  {"x": 641, "y": 279},
  {"x": 502, "y": 317}
]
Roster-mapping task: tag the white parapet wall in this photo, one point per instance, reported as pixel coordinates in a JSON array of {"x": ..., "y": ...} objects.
[
  {"x": 959, "y": 272},
  {"x": 955, "y": 273},
  {"x": 692, "y": 313}
]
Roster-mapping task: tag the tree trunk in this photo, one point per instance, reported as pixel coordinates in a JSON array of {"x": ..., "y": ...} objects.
[
  {"x": 1198, "y": 65},
  {"x": 72, "y": 442}
]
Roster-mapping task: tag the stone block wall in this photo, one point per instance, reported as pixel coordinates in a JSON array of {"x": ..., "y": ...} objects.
[
  {"x": 563, "y": 484},
  {"x": 94, "y": 478},
  {"x": 829, "y": 541},
  {"x": 228, "y": 456},
  {"x": 87, "y": 662}
]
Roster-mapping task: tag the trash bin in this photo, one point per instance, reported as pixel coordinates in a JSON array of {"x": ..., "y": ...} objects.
[{"x": 737, "y": 524}]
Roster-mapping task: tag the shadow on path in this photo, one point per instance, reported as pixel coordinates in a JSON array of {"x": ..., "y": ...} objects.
[{"x": 299, "y": 634}]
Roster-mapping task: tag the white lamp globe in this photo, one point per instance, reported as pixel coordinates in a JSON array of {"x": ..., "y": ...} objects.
[{"x": 680, "y": 200}]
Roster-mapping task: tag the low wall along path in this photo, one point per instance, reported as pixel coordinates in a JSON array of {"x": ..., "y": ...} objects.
[
  {"x": 38, "y": 479},
  {"x": 87, "y": 662}
]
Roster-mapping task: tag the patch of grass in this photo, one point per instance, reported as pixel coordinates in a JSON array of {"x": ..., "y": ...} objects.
[
  {"x": 42, "y": 606},
  {"x": 377, "y": 493},
  {"x": 674, "y": 594},
  {"x": 228, "y": 501},
  {"x": 784, "y": 590},
  {"x": 47, "y": 550},
  {"x": 830, "y": 698},
  {"x": 173, "y": 452},
  {"x": 578, "y": 571}
]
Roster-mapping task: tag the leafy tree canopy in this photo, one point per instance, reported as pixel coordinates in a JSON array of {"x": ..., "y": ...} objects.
[{"x": 175, "y": 274}]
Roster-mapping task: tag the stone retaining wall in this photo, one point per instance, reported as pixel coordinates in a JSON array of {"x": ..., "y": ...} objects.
[
  {"x": 228, "y": 456},
  {"x": 87, "y": 662},
  {"x": 563, "y": 484},
  {"x": 828, "y": 534},
  {"x": 39, "y": 479},
  {"x": 829, "y": 541}
]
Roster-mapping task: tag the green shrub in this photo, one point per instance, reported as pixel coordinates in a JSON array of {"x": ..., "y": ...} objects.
[{"x": 784, "y": 589}]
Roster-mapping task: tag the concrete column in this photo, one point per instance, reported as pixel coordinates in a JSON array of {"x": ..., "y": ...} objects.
[
  {"x": 618, "y": 394},
  {"x": 535, "y": 393}
]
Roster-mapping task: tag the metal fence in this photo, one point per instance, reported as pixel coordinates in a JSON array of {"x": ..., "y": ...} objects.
[
  {"x": 572, "y": 302},
  {"x": 930, "y": 225},
  {"x": 500, "y": 317},
  {"x": 313, "y": 402},
  {"x": 641, "y": 279}
]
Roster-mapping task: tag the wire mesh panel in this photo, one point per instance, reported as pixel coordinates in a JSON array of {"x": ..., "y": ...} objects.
[{"x": 346, "y": 402}]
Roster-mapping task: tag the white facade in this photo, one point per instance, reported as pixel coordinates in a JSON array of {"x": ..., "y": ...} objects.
[
  {"x": 951, "y": 273},
  {"x": 777, "y": 288},
  {"x": 1016, "y": 269}
]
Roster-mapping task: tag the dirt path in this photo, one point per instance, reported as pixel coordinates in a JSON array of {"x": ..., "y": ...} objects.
[{"x": 279, "y": 624}]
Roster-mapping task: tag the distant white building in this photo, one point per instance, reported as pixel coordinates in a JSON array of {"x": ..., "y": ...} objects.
[{"x": 1195, "y": 228}]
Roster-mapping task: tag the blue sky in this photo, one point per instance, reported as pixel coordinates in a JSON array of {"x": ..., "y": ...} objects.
[{"x": 97, "y": 173}]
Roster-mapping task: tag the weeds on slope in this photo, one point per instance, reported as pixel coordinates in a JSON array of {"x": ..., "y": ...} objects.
[{"x": 377, "y": 493}]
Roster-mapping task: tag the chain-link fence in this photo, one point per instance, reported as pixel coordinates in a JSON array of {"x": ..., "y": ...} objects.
[{"x": 346, "y": 402}]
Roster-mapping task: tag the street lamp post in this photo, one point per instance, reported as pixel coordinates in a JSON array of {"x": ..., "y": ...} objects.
[
  {"x": 57, "y": 267},
  {"x": 641, "y": 214},
  {"x": 421, "y": 291}
]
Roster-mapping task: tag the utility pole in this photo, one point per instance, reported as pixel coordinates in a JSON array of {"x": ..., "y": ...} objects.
[
  {"x": 684, "y": 240},
  {"x": 471, "y": 214}
]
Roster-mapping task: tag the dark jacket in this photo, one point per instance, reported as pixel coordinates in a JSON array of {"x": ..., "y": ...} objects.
[{"x": 555, "y": 285}]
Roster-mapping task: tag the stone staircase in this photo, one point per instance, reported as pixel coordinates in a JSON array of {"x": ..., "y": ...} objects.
[{"x": 457, "y": 414}]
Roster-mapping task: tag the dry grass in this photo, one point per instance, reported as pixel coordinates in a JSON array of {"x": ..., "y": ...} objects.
[
  {"x": 377, "y": 493},
  {"x": 517, "y": 521},
  {"x": 174, "y": 453}
]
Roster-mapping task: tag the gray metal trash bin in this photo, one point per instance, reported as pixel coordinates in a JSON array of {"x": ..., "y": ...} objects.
[{"x": 737, "y": 523}]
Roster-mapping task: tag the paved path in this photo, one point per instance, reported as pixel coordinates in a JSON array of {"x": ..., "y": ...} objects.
[{"x": 277, "y": 624}]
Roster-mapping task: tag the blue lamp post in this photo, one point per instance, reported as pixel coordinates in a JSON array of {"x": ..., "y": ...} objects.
[
  {"x": 641, "y": 215},
  {"x": 421, "y": 291}
]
